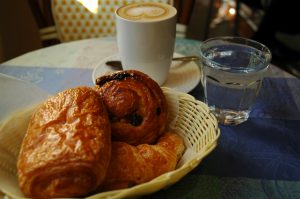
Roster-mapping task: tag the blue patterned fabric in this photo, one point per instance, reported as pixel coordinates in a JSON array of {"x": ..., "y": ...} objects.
[
  {"x": 267, "y": 145},
  {"x": 51, "y": 80},
  {"x": 256, "y": 159}
]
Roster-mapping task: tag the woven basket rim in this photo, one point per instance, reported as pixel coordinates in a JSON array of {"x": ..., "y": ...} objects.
[
  {"x": 169, "y": 178},
  {"x": 184, "y": 169}
]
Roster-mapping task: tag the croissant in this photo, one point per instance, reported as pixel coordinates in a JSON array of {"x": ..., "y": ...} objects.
[
  {"x": 67, "y": 147},
  {"x": 132, "y": 165},
  {"x": 136, "y": 104}
]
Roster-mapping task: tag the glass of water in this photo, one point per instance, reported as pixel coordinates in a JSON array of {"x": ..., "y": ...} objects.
[{"x": 234, "y": 68}]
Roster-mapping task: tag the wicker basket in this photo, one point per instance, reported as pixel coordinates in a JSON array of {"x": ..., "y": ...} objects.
[{"x": 188, "y": 117}]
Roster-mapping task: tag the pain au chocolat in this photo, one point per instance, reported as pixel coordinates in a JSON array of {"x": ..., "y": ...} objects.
[
  {"x": 136, "y": 105},
  {"x": 67, "y": 147}
]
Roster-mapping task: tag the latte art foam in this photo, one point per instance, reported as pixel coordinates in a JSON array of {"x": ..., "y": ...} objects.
[{"x": 146, "y": 11}]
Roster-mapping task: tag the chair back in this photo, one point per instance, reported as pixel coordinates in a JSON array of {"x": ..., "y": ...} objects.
[
  {"x": 75, "y": 21},
  {"x": 68, "y": 20},
  {"x": 41, "y": 10},
  {"x": 184, "y": 14}
]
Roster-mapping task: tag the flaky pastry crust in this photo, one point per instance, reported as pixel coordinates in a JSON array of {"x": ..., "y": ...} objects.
[
  {"x": 67, "y": 147},
  {"x": 133, "y": 165},
  {"x": 136, "y": 104}
]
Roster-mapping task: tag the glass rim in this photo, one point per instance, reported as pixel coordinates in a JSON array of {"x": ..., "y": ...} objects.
[{"x": 237, "y": 40}]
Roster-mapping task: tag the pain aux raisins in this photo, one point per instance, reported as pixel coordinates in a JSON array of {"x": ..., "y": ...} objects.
[
  {"x": 135, "y": 119},
  {"x": 158, "y": 111},
  {"x": 118, "y": 76},
  {"x": 121, "y": 76}
]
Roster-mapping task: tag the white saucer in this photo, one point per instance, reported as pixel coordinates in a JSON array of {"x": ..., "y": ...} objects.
[{"x": 183, "y": 76}]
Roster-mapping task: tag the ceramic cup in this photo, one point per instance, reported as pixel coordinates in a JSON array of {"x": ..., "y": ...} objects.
[{"x": 146, "y": 37}]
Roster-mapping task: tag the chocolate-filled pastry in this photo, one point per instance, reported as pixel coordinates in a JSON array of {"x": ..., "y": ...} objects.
[
  {"x": 132, "y": 165},
  {"x": 67, "y": 147},
  {"x": 136, "y": 104}
]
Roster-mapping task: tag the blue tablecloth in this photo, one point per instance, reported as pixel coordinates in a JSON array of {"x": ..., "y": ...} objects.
[{"x": 256, "y": 159}]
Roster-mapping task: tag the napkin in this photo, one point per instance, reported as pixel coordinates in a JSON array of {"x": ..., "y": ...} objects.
[{"x": 17, "y": 94}]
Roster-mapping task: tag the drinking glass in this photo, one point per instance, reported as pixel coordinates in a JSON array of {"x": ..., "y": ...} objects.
[{"x": 233, "y": 69}]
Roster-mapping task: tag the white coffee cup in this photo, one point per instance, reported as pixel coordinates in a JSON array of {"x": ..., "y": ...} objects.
[{"x": 146, "y": 37}]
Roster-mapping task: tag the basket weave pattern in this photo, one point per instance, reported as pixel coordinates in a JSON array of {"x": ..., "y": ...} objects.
[
  {"x": 187, "y": 116},
  {"x": 191, "y": 119}
]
